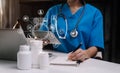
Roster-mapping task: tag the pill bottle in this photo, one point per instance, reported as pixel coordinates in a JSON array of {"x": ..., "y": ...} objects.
[
  {"x": 36, "y": 47},
  {"x": 24, "y": 58}
]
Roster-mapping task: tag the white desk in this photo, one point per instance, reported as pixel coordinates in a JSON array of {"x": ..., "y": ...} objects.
[{"x": 89, "y": 66}]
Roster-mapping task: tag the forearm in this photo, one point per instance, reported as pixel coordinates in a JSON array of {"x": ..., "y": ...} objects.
[{"x": 92, "y": 51}]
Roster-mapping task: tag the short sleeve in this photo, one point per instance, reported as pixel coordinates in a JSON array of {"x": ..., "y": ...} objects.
[{"x": 97, "y": 37}]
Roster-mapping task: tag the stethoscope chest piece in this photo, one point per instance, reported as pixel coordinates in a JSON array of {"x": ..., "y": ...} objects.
[{"x": 74, "y": 33}]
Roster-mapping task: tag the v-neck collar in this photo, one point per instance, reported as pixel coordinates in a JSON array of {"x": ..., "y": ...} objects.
[{"x": 67, "y": 12}]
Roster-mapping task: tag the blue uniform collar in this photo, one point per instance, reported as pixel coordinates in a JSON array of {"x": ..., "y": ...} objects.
[{"x": 67, "y": 12}]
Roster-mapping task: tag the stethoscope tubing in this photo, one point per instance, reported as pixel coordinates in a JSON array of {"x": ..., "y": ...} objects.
[
  {"x": 56, "y": 26},
  {"x": 66, "y": 23}
]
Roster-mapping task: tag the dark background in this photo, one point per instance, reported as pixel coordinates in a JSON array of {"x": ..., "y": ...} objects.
[{"x": 110, "y": 11}]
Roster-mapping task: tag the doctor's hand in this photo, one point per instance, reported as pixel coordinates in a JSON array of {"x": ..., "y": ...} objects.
[
  {"x": 79, "y": 54},
  {"x": 82, "y": 55}
]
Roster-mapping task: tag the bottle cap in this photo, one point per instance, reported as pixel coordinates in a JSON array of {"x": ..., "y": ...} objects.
[
  {"x": 24, "y": 48},
  {"x": 36, "y": 43}
]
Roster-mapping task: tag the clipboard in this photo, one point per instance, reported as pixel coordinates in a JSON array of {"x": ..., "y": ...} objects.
[{"x": 46, "y": 35}]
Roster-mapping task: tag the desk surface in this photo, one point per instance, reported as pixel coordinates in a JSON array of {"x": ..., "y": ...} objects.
[{"x": 88, "y": 66}]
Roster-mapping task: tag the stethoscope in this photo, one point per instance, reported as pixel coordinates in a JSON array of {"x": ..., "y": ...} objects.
[{"x": 74, "y": 32}]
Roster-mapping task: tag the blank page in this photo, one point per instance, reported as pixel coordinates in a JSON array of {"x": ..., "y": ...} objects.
[{"x": 63, "y": 61}]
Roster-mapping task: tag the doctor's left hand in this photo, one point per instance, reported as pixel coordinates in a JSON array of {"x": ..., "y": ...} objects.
[{"x": 79, "y": 54}]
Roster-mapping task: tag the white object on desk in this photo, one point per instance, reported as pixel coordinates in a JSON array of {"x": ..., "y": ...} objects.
[
  {"x": 43, "y": 60},
  {"x": 63, "y": 61},
  {"x": 24, "y": 60},
  {"x": 36, "y": 47},
  {"x": 88, "y": 66}
]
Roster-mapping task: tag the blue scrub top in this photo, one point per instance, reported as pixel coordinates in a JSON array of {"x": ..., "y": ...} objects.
[{"x": 90, "y": 28}]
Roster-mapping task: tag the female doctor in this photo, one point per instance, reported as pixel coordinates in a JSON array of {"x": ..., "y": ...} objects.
[{"x": 79, "y": 28}]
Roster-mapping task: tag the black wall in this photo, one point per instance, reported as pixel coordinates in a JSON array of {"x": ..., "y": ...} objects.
[{"x": 115, "y": 30}]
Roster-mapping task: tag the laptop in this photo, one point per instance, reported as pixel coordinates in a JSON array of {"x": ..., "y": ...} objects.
[{"x": 10, "y": 40}]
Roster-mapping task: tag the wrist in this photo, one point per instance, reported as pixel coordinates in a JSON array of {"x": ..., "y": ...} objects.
[{"x": 92, "y": 51}]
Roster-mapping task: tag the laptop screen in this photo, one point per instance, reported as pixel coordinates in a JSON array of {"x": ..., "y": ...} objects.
[{"x": 10, "y": 40}]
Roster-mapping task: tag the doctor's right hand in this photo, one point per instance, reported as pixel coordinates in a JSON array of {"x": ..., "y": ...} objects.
[{"x": 79, "y": 54}]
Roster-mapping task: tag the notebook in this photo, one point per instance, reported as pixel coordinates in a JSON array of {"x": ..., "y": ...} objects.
[
  {"x": 63, "y": 60},
  {"x": 10, "y": 40}
]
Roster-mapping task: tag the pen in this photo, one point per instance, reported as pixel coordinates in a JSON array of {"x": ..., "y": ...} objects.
[{"x": 78, "y": 61}]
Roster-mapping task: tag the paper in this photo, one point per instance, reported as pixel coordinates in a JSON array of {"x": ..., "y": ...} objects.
[
  {"x": 63, "y": 61},
  {"x": 47, "y": 35}
]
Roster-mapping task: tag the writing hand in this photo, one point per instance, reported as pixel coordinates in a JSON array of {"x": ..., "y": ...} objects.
[{"x": 79, "y": 54}]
